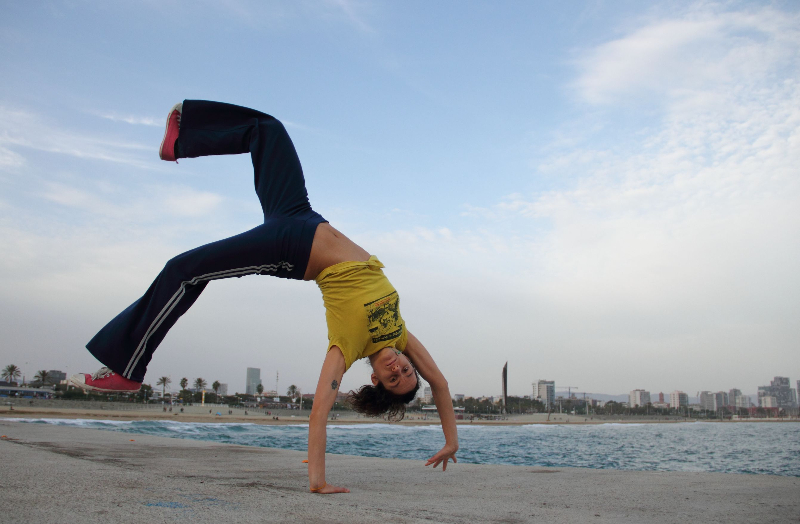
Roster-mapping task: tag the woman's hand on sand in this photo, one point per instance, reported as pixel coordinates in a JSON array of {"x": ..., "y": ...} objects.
[
  {"x": 445, "y": 454},
  {"x": 328, "y": 489}
]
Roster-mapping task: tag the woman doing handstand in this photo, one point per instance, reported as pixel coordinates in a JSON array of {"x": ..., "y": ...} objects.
[{"x": 361, "y": 306}]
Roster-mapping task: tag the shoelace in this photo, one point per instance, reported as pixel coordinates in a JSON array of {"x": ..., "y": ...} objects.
[{"x": 101, "y": 373}]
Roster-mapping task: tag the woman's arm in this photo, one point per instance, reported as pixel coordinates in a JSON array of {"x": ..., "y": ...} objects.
[
  {"x": 327, "y": 388},
  {"x": 428, "y": 369}
]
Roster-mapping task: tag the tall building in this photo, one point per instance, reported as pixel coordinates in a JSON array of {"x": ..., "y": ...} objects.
[
  {"x": 223, "y": 390},
  {"x": 545, "y": 392},
  {"x": 721, "y": 399},
  {"x": 661, "y": 398},
  {"x": 427, "y": 395},
  {"x": 678, "y": 400},
  {"x": 638, "y": 397},
  {"x": 253, "y": 381},
  {"x": 708, "y": 401},
  {"x": 779, "y": 387}
]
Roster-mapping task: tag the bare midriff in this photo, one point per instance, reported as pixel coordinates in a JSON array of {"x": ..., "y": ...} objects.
[{"x": 331, "y": 247}]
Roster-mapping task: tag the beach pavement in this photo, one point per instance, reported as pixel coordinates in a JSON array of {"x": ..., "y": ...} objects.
[{"x": 63, "y": 474}]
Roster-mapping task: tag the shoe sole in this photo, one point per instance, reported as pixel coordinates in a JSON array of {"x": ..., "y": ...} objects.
[
  {"x": 166, "y": 130},
  {"x": 87, "y": 387}
]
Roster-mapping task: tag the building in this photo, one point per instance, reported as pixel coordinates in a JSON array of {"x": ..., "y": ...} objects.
[
  {"x": 427, "y": 395},
  {"x": 708, "y": 401},
  {"x": 785, "y": 396},
  {"x": 252, "y": 381},
  {"x": 678, "y": 400},
  {"x": 767, "y": 402},
  {"x": 26, "y": 392},
  {"x": 638, "y": 397},
  {"x": 223, "y": 390},
  {"x": 545, "y": 392},
  {"x": 721, "y": 399},
  {"x": 661, "y": 398},
  {"x": 734, "y": 395},
  {"x": 55, "y": 376},
  {"x": 459, "y": 397},
  {"x": 737, "y": 400}
]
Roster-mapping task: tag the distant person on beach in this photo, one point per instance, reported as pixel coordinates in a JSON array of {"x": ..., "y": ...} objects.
[{"x": 362, "y": 308}]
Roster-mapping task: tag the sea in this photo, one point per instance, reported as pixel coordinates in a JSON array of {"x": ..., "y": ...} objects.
[{"x": 765, "y": 448}]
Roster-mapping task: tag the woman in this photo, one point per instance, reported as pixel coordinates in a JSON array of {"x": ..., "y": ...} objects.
[{"x": 361, "y": 306}]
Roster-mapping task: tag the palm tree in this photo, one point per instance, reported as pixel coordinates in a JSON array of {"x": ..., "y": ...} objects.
[
  {"x": 292, "y": 391},
  {"x": 199, "y": 384},
  {"x": 10, "y": 372},
  {"x": 215, "y": 386},
  {"x": 184, "y": 382},
  {"x": 164, "y": 382},
  {"x": 42, "y": 376}
]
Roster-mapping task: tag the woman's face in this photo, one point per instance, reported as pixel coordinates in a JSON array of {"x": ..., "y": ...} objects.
[{"x": 393, "y": 369}]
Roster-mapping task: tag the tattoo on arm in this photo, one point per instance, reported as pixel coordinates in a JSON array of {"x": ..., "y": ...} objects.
[{"x": 334, "y": 384}]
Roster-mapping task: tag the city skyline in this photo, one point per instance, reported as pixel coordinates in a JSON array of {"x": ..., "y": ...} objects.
[{"x": 548, "y": 389}]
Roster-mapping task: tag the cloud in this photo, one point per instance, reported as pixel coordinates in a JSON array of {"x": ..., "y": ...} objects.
[
  {"x": 134, "y": 120},
  {"x": 190, "y": 203},
  {"x": 23, "y": 129},
  {"x": 675, "y": 57},
  {"x": 153, "y": 203},
  {"x": 10, "y": 159}
]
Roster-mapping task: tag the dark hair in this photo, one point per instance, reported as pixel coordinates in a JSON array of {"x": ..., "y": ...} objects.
[{"x": 374, "y": 401}]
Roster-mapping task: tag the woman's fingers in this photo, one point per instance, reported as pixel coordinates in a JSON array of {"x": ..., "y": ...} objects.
[{"x": 441, "y": 456}]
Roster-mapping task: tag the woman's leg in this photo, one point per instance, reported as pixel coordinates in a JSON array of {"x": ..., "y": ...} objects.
[
  {"x": 126, "y": 344},
  {"x": 280, "y": 247},
  {"x": 214, "y": 128}
]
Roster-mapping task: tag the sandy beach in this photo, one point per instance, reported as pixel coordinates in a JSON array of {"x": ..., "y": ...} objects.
[{"x": 63, "y": 474}]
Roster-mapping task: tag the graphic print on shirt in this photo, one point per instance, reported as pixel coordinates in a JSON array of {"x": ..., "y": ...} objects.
[{"x": 383, "y": 318}]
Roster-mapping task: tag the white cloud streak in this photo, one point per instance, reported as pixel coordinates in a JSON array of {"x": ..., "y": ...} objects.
[
  {"x": 133, "y": 120},
  {"x": 22, "y": 129}
]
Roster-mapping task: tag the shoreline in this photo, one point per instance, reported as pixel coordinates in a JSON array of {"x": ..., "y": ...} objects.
[{"x": 198, "y": 414}]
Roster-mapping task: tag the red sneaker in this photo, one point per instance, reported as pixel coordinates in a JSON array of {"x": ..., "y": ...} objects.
[
  {"x": 105, "y": 381},
  {"x": 167, "y": 149}
]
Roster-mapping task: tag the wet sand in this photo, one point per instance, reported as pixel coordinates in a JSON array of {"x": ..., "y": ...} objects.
[{"x": 201, "y": 414}]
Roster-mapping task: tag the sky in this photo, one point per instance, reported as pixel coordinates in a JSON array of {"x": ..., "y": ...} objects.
[{"x": 603, "y": 194}]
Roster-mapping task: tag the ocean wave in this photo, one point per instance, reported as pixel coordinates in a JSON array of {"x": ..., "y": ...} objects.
[{"x": 78, "y": 422}]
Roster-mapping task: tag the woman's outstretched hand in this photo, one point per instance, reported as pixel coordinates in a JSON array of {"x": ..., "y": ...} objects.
[{"x": 445, "y": 454}]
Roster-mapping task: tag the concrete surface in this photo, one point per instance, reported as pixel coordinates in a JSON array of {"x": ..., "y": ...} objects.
[{"x": 61, "y": 474}]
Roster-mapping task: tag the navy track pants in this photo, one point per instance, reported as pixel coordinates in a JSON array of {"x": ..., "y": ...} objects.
[{"x": 280, "y": 246}]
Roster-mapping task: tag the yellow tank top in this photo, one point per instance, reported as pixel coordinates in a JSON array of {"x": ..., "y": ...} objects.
[{"x": 362, "y": 309}]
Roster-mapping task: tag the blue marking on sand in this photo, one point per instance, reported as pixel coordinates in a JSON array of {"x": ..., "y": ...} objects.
[{"x": 173, "y": 505}]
